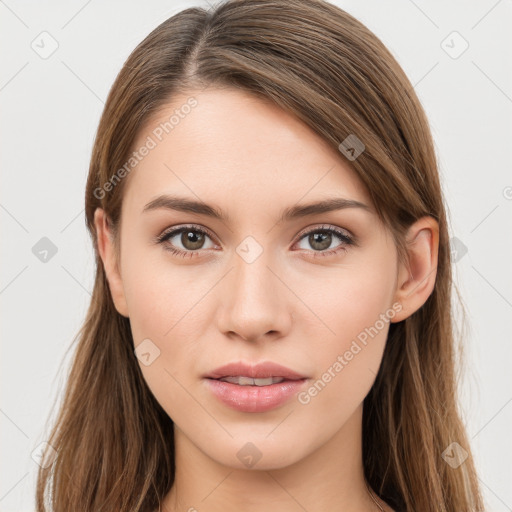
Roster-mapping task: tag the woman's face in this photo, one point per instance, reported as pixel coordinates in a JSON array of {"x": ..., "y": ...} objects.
[{"x": 255, "y": 285}]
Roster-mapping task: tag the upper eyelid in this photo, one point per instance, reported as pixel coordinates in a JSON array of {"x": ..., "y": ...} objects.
[
  {"x": 175, "y": 231},
  {"x": 326, "y": 227}
]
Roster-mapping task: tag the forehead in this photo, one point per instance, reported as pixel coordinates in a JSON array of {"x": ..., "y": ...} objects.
[{"x": 228, "y": 147}]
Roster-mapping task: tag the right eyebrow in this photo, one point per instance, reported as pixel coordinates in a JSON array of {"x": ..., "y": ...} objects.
[{"x": 184, "y": 204}]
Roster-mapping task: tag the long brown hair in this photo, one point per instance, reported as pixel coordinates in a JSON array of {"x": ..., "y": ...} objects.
[{"x": 114, "y": 442}]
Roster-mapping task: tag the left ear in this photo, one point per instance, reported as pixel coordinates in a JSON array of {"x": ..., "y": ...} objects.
[{"x": 417, "y": 278}]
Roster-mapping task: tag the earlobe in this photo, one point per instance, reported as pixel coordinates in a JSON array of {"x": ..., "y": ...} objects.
[
  {"x": 416, "y": 279},
  {"x": 107, "y": 253}
]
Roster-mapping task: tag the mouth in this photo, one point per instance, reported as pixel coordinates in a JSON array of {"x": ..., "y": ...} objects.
[
  {"x": 261, "y": 374},
  {"x": 242, "y": 380},
  {"x": 256, "y": 388}
]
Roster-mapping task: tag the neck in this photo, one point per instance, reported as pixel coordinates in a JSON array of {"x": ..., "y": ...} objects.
[{"x": 330, "y": 477}]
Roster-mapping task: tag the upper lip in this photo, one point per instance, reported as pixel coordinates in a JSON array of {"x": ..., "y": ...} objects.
[{"x": 257, "y": 371}]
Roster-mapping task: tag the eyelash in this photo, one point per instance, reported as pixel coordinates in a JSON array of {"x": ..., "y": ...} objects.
[{"x": 166, "y": 235}]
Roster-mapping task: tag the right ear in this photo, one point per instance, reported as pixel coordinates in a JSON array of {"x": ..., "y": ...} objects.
[{"x": 105, "y": 242}]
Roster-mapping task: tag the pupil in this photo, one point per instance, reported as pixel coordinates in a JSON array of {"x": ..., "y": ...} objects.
[
  {"x": 192, "y": 239},
  {"x": 322, "y": 239}
]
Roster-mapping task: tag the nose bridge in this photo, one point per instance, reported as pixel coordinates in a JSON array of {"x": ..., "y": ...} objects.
[
  {"x": 253, "y": 279},
  {"x": 254, "y": 303}
]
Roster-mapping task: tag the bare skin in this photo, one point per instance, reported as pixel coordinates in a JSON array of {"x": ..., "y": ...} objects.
[{"x": 291, "y": 305}]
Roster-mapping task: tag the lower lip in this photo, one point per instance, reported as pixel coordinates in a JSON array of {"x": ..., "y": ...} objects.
[{"x": 255, "y": 398}]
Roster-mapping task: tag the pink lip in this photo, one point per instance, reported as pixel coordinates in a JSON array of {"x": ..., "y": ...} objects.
[
  {"x": 260, "y": 370},
  {"x": 254, "y": 398}
]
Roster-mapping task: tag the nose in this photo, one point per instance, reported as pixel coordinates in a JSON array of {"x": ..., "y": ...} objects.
[{"x": 255, "y": 302}]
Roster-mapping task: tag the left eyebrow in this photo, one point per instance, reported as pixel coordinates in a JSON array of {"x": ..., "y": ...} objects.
[
  {"x": 327, "y": 205},
  {"x": 187, "y": 205}
]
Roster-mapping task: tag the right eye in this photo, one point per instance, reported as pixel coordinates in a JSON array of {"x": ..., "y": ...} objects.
[{"x": 191, "y": 238}]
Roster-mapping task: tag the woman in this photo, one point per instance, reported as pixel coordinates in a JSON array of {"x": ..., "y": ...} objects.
[{"x": 270, "y": 324}]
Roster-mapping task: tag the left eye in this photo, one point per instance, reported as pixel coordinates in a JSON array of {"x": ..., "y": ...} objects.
[{"x": 320, "y": 239}]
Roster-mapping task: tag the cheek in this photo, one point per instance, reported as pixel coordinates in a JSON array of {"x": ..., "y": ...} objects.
[
  {"x": 166, "y": 305},
  {"x": 349, "y": 329},
  {"x": 165, "y": 308},
  {"x": 345, "y": 301},
  {"x": 347, "y": 361},
  {"x": 161, "y": 295},
  {"x": 174, "y": 321}
]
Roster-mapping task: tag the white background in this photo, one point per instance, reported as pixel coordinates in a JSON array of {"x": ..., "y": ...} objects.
[{"x": 50, "y": 111}]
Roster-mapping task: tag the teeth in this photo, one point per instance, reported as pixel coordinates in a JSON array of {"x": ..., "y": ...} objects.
[{"x": 249, "y": 381}]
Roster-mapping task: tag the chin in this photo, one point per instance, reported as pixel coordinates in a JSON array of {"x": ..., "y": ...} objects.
[{"x": 251, "y": 452}]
